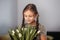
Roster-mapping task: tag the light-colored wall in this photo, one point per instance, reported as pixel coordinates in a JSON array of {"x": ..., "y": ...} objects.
[
  {"x": 8, "y": 15},
  {"x": 49, "y": 11}
]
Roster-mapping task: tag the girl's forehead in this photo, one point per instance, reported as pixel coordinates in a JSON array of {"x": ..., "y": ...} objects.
[{"x": 28, "y": 12}]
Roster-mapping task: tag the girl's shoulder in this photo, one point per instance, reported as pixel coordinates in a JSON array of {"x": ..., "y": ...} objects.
[
  {"x": 42, "y": 28},
  {"x": 41, "y": 25}
]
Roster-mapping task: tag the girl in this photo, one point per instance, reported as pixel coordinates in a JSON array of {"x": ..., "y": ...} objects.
[{"x": 31, "y": 16}]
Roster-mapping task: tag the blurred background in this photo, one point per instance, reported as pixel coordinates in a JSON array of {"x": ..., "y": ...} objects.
[
  {"x": 8, "y": 15},
  {"x": 11, "y": 14}
]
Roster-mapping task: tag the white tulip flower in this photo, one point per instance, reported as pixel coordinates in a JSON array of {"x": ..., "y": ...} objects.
[
  {"x": 22, "y": 28},
  {"x": 25, "y": 28},
  {"x": 13, "y": 32},
  {"x": 20, "y": 35},
  {"x": 38, "y": 32},
  {"x": 17, "y": 30}
]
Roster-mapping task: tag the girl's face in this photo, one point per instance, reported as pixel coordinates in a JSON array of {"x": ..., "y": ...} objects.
[{"x": 29, "y": 16}]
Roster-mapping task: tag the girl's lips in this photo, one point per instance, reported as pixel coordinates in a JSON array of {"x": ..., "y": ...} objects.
[{"x": 28, "y": 21}]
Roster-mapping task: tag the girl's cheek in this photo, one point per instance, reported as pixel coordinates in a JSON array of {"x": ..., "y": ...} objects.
[
  {"x": 32, "y": 18},
  {"x": 25, "y": 18}
]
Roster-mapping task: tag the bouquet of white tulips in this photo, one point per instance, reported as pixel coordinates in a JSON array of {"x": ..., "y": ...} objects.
[{"x": 27, "y": 33}]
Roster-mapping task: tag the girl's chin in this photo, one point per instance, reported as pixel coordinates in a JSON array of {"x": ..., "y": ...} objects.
[{"x": 28, "y": 22}]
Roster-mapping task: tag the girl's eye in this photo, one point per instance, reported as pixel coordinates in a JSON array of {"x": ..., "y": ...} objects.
[
  {"x": 30, "y": 16},
  {"x": 27, "y": 16}
]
